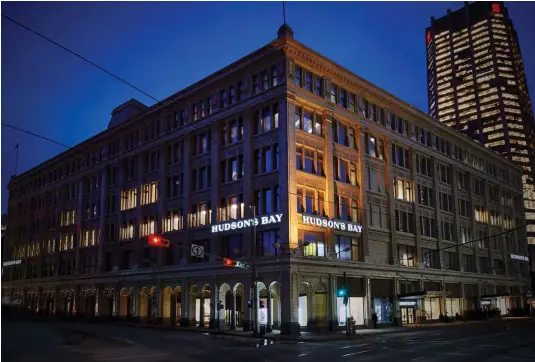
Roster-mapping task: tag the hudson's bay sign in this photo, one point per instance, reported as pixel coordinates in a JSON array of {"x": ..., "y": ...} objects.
[
  {"x": 247, "y": 223},
  {"x": 332, "y": 224}
]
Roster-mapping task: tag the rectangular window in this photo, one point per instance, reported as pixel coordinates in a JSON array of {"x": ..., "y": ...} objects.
[
  {"x": 446, "y": 203},
  {"x": 173, "y": 221},
  {"x": 318, "y": 86},
  {"x": 297, "y": 76},
  {"x": 424, "y": 165},
  {"x": 402, "y": 189},
  {"x": 401, "y": 156},
  {"x": 267, "y": 242},
  {"x": 406, "y": 255},
  {"x": 428, "y": 226},
  {"x": 231, "y": 95},
  {"x": 128, "y": 199},
  {"x": 223, "y": 98},
  {"x": 150, "y": 193},
  {"x": 347, "y": 248},
  {"x": 404, "y": 221},
  {"x": 332, "y": 93},
  {"x": 447, "y": 230},
  {"x": 426, "y": 195},
  {"x": 308, "y": 81},
  {"x": 274, "y": 76},
  {"x": 444, "y": 173},
  {"x": 313, "y": 244}
]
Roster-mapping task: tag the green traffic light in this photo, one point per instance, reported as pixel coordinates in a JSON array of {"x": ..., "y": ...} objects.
[{"x": 342, "y": 292}]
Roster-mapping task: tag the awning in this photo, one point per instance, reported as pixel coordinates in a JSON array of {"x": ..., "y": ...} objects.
[{"x": 424, "y": 294}]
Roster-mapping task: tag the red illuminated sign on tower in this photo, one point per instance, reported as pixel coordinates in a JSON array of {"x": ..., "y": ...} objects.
[
  {"x": 496, "y": 8},
  {"x": 428, "y": 36}
]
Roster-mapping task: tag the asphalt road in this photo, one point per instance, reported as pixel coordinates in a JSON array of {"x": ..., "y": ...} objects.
[{"x": 497, "y": 341}]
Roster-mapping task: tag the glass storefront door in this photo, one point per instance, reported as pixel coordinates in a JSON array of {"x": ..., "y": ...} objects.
[{"x": 407, "y": 315}]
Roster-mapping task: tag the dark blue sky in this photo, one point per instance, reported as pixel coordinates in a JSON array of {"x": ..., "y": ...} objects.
[{"x": 164, "y": 47}]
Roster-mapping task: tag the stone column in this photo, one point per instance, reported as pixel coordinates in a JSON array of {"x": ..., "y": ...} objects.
[
  {"x": 102, "y": 222},
  {"x": 474, "y": 227},
  {"x": 214, "y": 298},
  {"x": 233, "y": 313},
  {"x": 416, "y": 209},
  {"x": 185, "y": 305},
  {"x": 247, "y": 323},
  {"x": 394, "y": 259},
  {"x": 438, "y": 213},
  {"x": 269, "y": 310},
  {"x": 395, "y": 302},
  {"x": 139, "y": 245},
  {"x": 287, "y": 181},
  {"x": 162, "y": 179},
  {"x": 79, "y": 220},
  {"x": 215, "y": 240},
  {"x": 186, "y": 244},
  {"x": 289, "y": 304},
  {"x": 201, "y": 311},
  {"x": 486, "y": 204},
  {"x": 248, "y": 164},
  {"x": 332, "y": 298},
  {"x": 456, "y": 219},
  {"x": 328, "y": 168},
  {"x": 368, "y": 304}
]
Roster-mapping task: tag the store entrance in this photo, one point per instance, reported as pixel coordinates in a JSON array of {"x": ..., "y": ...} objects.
[{"x": 407, "y": 315}]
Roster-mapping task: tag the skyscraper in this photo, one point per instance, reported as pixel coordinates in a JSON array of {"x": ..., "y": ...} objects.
[{"x": 477, "y": 84}]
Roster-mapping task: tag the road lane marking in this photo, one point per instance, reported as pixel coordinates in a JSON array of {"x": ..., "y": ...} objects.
[
  {"x": 301, "y": 355},
  {"x": 353, "y": 346},
  {"x": 133, "y": 357},
  {"x": 416, "y": 359},
  {"x": 354, "y": 353}
]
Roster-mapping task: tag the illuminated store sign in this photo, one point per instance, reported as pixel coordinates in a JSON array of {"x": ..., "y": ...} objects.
[
  {"x": 12, "y": 262},
  {"x": 247, "y": 223},
  {"x": 519, "y": 257},
  {"x": 332, "y": 224},
  {"x": 407, "y": 303}
]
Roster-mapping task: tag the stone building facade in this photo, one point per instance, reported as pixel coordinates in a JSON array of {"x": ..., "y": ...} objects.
[{"x": 290, "y": 163}]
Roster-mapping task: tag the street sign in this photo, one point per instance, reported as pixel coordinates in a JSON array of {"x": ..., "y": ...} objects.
[
  {"x": 197, "y": 251},
  {"x": 242, "y": 265}
]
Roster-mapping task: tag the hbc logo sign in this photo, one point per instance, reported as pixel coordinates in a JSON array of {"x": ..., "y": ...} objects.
[{"x": 496, "y": 8}]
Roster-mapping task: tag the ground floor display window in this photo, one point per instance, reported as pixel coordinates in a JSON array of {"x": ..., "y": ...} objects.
[
  {"x": 206, "y": 319},
  {"x": 408, "y": 315},
  {"x": 355, "y": 309},
  {"x": 501, "y": 305},
  {"x": 431, "y": 308},
  {"x": 453, "y": 307},
  {"x": 382, "y": 307}
]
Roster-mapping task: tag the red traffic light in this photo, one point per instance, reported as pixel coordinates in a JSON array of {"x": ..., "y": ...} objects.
[
  {"x": 156, "y": 240},
  {"x": 228, "y": 262}
]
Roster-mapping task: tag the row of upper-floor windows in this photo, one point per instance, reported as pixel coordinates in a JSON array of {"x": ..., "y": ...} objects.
[
  {"x": 168, "y": 121},
  {"x": 312, "y": 123}
]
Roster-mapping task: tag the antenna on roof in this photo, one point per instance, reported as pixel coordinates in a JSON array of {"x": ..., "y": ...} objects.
[{"x": 284, "y": 12}]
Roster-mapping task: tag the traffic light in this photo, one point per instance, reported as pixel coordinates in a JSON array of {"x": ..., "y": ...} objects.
[
  {"x": 235, "y": 263},
  {"x": 262, "y": 304},
  {"x": 229, "y": 262},
  {"x": 342, "y": 291},
  {"x": 156, "y": 240}
]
